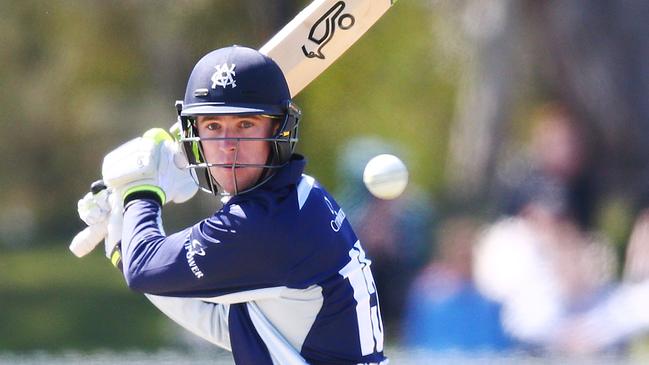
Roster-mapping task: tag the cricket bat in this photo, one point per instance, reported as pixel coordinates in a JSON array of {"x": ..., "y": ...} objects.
[
  {"x": 318, "y": 35},
  {"x": 303, "y": 49}
]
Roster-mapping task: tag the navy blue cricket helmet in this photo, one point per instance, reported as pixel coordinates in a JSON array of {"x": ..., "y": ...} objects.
[{"x": 238, "y": 81}]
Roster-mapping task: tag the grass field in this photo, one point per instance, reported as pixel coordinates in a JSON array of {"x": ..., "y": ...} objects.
[
  {"x": 222, "y": 358},
  {"x": 53, "y": 301}
]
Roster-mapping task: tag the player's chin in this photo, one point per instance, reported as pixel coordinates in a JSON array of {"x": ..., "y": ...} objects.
[{"x": 240, "y": 180}]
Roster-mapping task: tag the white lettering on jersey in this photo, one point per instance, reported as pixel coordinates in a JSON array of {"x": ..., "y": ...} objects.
[
  {"x": 370, "y": 328},
  {"x": 193, "y": 248},
  {"x": 337, "y": 222}
]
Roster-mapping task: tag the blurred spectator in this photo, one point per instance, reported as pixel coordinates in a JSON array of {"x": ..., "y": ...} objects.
[
  {"x": 558, "y": 159},
  {"x": 623, "y": 315},
  {"x": 393, "y": 232},
  {"x": 445, "y": 311},
  {"x": 542, "y": 262},
  {"x": 543, "y": 270}
]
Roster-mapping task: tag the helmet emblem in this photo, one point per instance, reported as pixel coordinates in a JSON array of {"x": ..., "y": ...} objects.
[{"x": 224, "y": 76}]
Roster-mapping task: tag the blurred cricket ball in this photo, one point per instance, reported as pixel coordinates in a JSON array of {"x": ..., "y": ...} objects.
[{"x": 385, "y": 176}]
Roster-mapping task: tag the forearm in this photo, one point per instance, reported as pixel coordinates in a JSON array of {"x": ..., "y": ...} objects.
[
  {"x": 215, "y": 257},
  {"x": 150, "y": 259}
]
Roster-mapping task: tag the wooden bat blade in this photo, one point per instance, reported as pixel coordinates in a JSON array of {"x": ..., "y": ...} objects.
[{"x": 320, "y": 34}]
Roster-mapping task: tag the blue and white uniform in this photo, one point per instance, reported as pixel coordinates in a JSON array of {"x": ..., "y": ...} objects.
[{"x": 276, "y": 275}]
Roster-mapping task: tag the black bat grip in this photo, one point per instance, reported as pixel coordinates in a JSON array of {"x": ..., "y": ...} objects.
[{"x": 97, "y": 186}]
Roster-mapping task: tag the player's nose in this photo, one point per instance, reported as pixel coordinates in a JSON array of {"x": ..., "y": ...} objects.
[{"x": 229, "y": 143}]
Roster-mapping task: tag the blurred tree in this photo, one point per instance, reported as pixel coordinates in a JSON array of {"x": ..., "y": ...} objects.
[
  {"x": 595, "y": 59},
  {"x": 590, "y": 58},
  {"x": 486, "y": 95}
]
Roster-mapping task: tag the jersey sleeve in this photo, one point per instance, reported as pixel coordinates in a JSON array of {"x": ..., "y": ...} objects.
[
  {"x": 230, "y": 252},
  {"x": 206, "y": 320}
]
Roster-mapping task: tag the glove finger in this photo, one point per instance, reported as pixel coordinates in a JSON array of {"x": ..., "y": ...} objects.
[
  {"x": 114, "y": 227},
  {"x": 102, "y": 200},
  {"x": 176, "y": 130},
  {"x": 180, "y": 160},
  {"x": 89, "y": 211},
  {"x": 185, "y": 190},
  {"x": 178, "y": 179}
]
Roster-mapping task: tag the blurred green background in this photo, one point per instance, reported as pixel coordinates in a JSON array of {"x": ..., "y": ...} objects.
[{"x": 452, "y": 82}]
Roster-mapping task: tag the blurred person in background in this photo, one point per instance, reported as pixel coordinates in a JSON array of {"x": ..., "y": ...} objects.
[
  {"x": 393, "y": 232},
  {"x": 558, "y": 158},
  {"x": 541, "y": 261},
  {"x": 622, "y": 318},
  {"x": 445, "y": 311},
  {"x": 543, "y": 269}
]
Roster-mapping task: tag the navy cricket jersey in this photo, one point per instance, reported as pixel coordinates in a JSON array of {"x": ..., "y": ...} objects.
[{"x": 277, "y": 275}]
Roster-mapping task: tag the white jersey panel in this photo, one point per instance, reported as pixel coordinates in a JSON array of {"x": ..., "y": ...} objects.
[
  {"x": 293, "y": 313},
  {"x": 206, "y": 320},
  {"x": 281, "y": 351},
  {"x": 304, "y": 189},
  {"x": 248, "y": 295}
]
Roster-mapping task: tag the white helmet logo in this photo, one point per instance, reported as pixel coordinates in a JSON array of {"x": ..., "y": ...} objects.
[{"x": 224, "y": 76}]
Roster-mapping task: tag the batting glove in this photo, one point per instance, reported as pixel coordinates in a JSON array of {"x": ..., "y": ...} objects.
[
  {"x": 151, "y": 163},
  {"x": 102, "y": 212},
  {"x": 94, "y": 208},
  {"x": 112, "y": 247}
]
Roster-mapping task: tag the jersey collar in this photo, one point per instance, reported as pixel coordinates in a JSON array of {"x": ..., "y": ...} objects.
[{"x": 287, "y": 175}]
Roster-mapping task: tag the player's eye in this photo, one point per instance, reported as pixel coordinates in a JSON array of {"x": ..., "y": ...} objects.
[
  {"x": 213, "y": 126},
  {"x": 246, "y": 124}
]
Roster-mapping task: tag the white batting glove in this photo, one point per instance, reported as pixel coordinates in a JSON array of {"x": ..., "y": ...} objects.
[
  {"x": 94, "y": 209},
  {"x": 102, "y": 212},
  {"x": 151, "y": 163},
  {"x": 114, "y": 227}
]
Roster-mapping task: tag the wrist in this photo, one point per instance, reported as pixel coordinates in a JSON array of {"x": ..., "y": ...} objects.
[
  {"x": 115, "y": 256},
  {"x": 145, "y": 191}
]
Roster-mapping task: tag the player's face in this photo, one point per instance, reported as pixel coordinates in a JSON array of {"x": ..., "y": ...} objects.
[{"x": 235, "y": 151}]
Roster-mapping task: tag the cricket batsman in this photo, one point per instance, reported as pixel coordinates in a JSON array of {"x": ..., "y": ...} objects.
[{"x": 276, "y": 275}]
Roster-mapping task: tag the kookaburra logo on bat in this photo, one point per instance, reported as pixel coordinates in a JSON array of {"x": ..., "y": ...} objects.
[{"x": 323, "y": 30}]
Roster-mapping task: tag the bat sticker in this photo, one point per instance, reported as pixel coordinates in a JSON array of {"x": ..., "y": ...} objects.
[{"x": 326, "y": 27}]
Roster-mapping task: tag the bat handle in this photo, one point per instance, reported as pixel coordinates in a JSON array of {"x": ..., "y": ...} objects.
[
  {"x": 97, "y": 186},
  {"x": 85, "y": 241}
]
